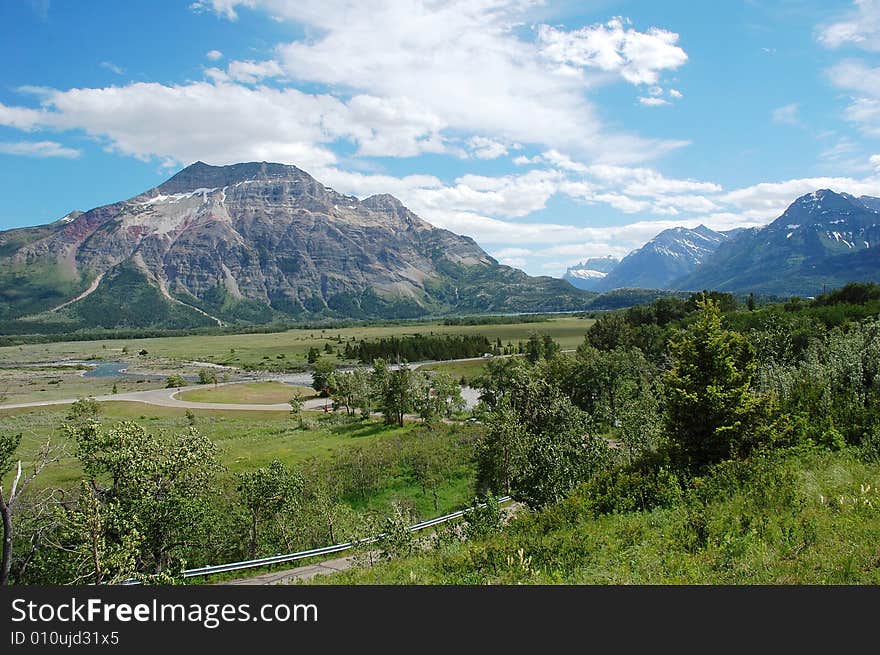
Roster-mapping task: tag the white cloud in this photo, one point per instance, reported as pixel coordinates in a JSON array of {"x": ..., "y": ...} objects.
[
  {"x": 767, "y": 200},
  {"x": 222, "y": 123},
  {"x": 787, "y": 114},
  {"x": 860, "y": 27},
  {"x": 512, "y": 252},
  {"x": 652, "y": 102},
  {"x": 483, "y": 148},
  {"x": 864, "y": 81},
  {"x": 38, "y": 149},
  {"x": 246, "y": 72},
  {"x": 468, "y": 64},
  {"x": 675, "y": 93},
  {"x": 22, "y": 118},
  {"x": 613, "y": 47},
  {"x": 214, "y": 55},
  {"x": 113, "y": 68},
  {"x": 875, "y": 162}
]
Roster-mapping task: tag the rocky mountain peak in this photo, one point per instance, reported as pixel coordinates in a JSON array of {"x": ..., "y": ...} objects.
[{"x": 204, "y": 176}]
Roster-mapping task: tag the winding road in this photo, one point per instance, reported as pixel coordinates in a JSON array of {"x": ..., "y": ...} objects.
[{"x": 168, "y": 397}]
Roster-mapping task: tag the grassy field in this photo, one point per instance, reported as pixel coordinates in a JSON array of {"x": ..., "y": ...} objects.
[
  {"x": 246, "y": 440},
  {"x": 467, "y": 370},
  {"x": 290, "y": 346},
  {"x": 258, "y": 393},
  {"x": 25, "y": 384}
]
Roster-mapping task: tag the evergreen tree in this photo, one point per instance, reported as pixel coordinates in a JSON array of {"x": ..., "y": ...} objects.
[{"x": 711, "y": 411}]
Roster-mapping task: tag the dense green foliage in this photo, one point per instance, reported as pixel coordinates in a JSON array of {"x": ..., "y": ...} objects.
[
  {"x": 150, "y": 502},
  {"x": 740, "y": 447},
  {"x": 418, "y": 347}
]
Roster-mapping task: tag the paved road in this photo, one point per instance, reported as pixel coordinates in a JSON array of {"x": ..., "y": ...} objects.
[
  {"x": 168, "y": 397},
  {"x": 288, "y": 576}
]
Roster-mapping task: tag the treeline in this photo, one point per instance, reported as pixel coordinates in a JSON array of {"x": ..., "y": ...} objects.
[
  {"x": 418, "y": 347},
  {"x": 393, "y": 391}
]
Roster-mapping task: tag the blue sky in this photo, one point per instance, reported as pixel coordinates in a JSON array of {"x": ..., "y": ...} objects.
[{"x": 550, "y": 132}]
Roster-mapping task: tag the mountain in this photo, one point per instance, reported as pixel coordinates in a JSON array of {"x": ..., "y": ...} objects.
[
  {"x": 589, "y": 273},
  {"x": 252, "y": 243},
  {"x": 824, "y": 239},
  {"x": 670, "y": 255}
]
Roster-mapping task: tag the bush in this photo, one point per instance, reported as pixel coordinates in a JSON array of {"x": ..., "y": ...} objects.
[
  {"x": 870, "y": 446},
  {"x": 486, "y": 517},
  {"x": 622, "y": 490},
  {"x": 175, "y": 381}
]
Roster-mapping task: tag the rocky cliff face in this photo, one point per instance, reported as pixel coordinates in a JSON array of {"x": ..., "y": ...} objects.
[{"x": 258, "y": 241}]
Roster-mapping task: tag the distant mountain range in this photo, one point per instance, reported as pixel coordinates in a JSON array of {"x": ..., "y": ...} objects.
[
  {"x": 252, "y": 243},
  {"x": 822, "y": 241},
  {"x": 589, "y": 273},
  {"x": 670, "y": 255}
]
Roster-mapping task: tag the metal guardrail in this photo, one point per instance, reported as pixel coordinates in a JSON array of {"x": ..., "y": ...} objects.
[{"x": 315, "y": 552}]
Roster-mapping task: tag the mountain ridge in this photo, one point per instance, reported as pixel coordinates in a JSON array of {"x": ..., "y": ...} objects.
[
  {"x": 823, "y": 239},
  {"x": 255, "y": 242}
]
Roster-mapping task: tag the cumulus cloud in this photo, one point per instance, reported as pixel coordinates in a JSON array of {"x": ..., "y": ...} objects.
[
  {"x": 860, "y": 27},
  {"x": 614, "y": 47},
  {"x": 214, "y": 55},
  {"x": 38, "y": 149},
  {"x": 483, "y": 148},
  {"x": 247, "y": 72},
  {"x": 469, "y": 65}
]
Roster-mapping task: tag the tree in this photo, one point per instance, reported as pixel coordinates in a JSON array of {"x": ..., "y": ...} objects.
[
  {"x": 751, "y": 302},
  {"x": 115, "y": 389},
  {"x": 313, "y": 355},
  {"x": 392, "y": 390},
  {"x": 447, "y": 393},
  {"x": 610, "y": 331},
  {"x": 711, "y": 412},
  {"x": 8, "y": 446},
  {"x": 550, "y": 347},
  {"x": 83, "y": 410},
  {"x": 321, "y": 372},
  {"x": 538, "y": 445},
  {"x": 207, "y": 377},
  {"x": 396, "y": 396},
  {"x": 640, "y": 426},
  {"x": 296, "y": 405},
  {"x": 265, "y": 493},
  {"x": 501, "y": 453},
  {"x": 173, "y": 381},
  {"x": 351, "y": 390},
  {"x": 158, "y": 486}
]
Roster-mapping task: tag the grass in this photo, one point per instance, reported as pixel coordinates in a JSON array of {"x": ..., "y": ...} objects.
[
  {"x": 21, "y": 385},
  {"x": 246, "y": 440},
  {"x": 290, "y": 346},
  {"x": 468, "y": 369},
  {"x": 257, "y": 393},
  {"x": 808, "y": 518}
]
